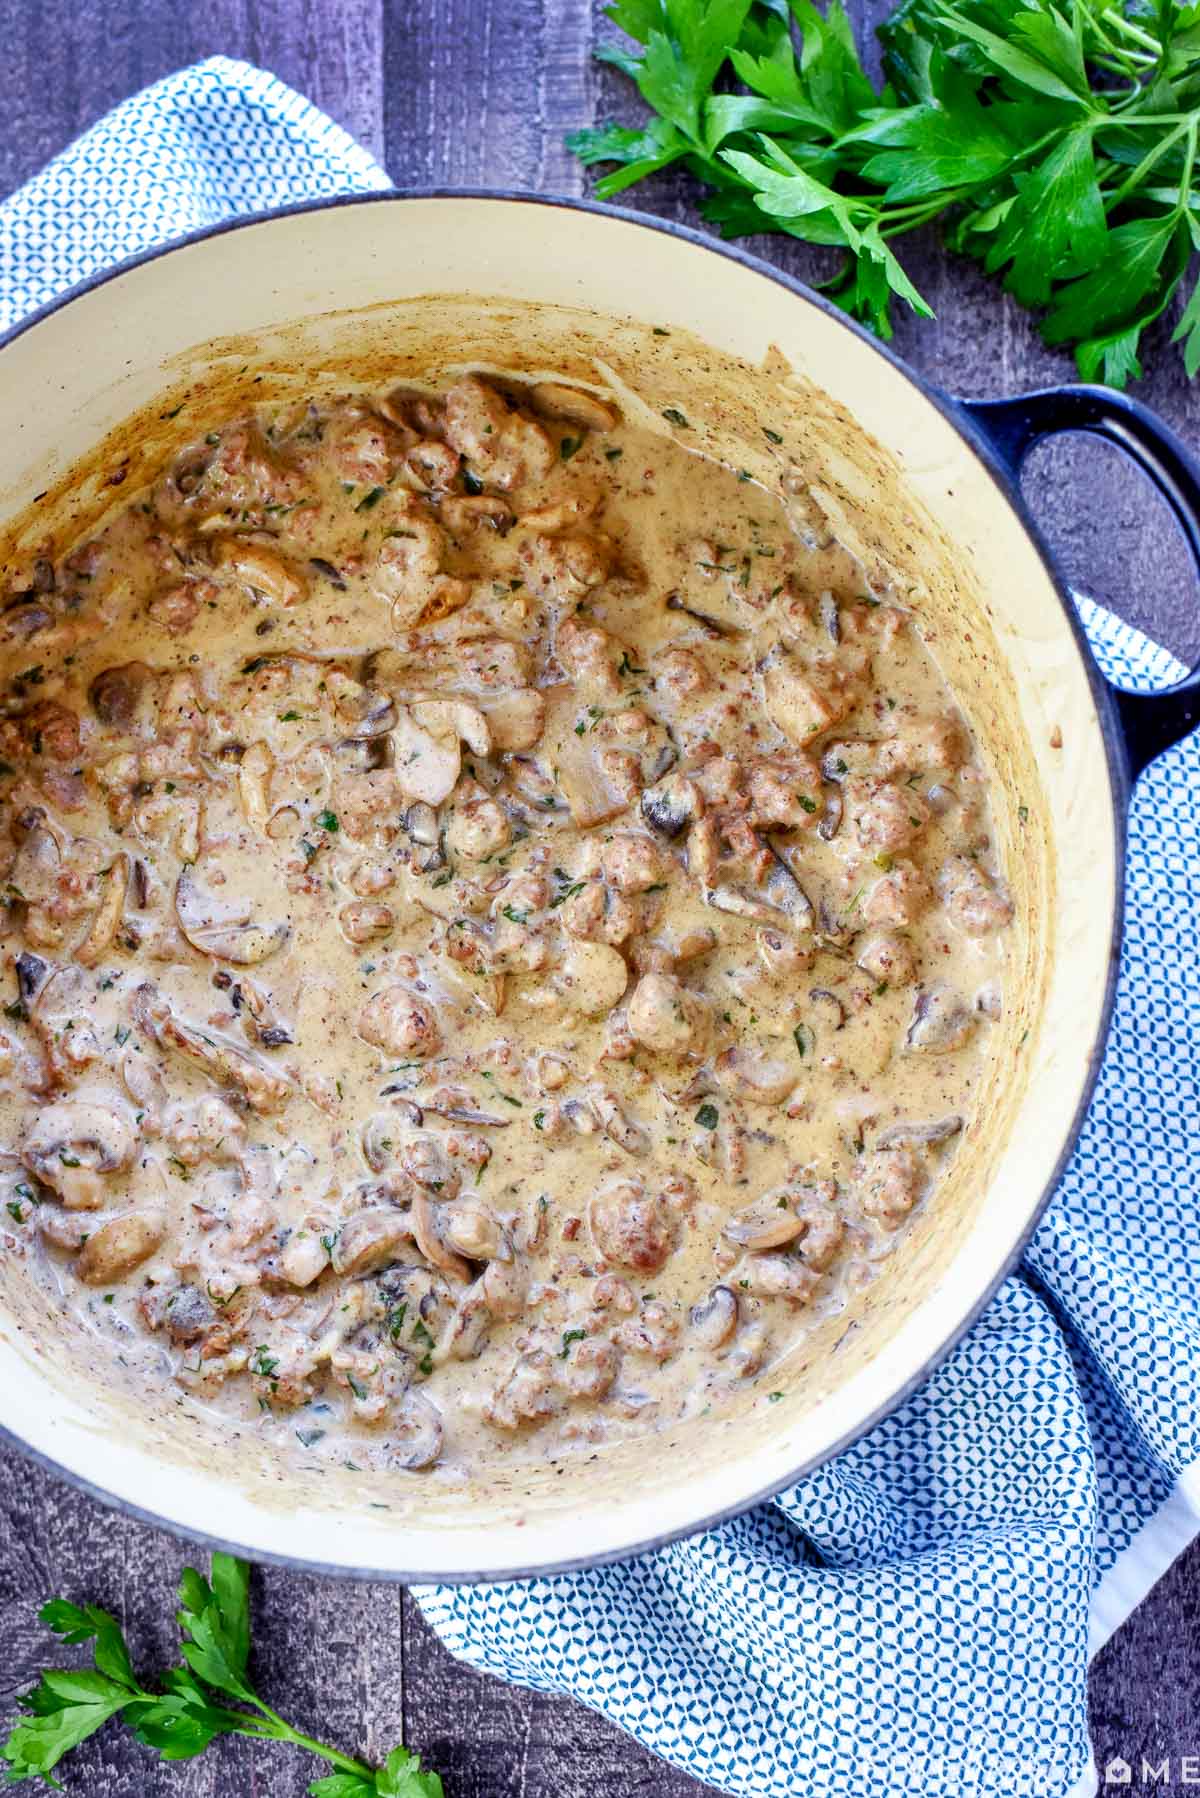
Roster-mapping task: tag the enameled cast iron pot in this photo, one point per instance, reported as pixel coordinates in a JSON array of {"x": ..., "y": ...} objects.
[{"x": 776, "y": 380}]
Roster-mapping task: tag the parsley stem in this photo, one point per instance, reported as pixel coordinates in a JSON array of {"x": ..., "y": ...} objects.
[
  {"x": 1119, "y": 22},
  {"x": 1151, "y": 122},
  {"x": 1189, "y": 165},
  {"x": 1154, "y": 155},
  {"x": 284, "y": 1732}
]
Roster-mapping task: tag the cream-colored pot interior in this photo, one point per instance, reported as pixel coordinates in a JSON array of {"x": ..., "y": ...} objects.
[{"x": 383, "y": 290}]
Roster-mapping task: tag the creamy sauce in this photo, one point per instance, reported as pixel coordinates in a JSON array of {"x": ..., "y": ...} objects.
[{"x": 504, "y": 927}]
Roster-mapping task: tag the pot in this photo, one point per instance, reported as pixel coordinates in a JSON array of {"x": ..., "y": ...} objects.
[{"x": 779, "y": 382}]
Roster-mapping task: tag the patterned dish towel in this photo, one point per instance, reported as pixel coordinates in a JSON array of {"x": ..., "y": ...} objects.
[{"x": 919, "y": 1614}]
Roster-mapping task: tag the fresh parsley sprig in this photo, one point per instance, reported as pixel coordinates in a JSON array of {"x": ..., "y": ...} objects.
[
  {"x": 68, "y": 1705},
  {"x": 1055, "y": 141}
]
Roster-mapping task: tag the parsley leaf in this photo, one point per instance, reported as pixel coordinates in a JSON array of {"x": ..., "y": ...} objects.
[
  {"x": 180, "y": 1720},
  {"x": 1054, "y": 141}
]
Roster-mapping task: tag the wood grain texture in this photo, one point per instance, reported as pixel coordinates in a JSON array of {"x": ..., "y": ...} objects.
[{"x": 480, "y": 92}]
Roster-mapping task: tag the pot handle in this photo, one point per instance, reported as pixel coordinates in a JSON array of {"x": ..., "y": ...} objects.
[{"x": 1150, "y": 722}]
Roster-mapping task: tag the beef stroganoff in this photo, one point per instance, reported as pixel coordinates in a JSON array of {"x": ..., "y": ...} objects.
[{"x": 503, "y": 925}]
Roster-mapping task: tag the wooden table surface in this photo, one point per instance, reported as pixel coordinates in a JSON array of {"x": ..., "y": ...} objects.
[{"x": 479, "y": 93}]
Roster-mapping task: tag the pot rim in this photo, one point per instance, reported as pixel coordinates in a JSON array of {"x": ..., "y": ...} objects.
[{"x": 957, "y": 414}]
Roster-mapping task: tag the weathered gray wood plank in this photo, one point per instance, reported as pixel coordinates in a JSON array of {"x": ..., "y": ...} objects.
[
  {"x": 69, "y": 61},
  {"x": 480, "y": 92}
]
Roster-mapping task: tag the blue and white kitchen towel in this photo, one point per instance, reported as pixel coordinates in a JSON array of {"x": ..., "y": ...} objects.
[{"x": 919, "y": 1614}]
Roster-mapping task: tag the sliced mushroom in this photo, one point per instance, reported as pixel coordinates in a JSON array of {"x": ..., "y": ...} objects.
[
  {"x": 671, "y": 806},
  {"x": 768, "y": 1223},
  {"x": 320, "y": 566},
  {"x": 833, "y": 1012},
  {"x": 592, "y": 977},
  {"x": 454, "y": 717},
  {"x": 554, "y": 399},
  {"x": 145, "y": 1087},
  {"x": 229, "y": 937},
  {"x": 186, "y": 1312},
  {"x": 852, "y": 755},
  {"x": 119, "y": 1246},
  {"x": 467, "y": 1330},
  {"x": 780, "y": 899},
  {"x": 505, "y": 1288},
  {"x": 470, "y": 1228},
  {"x": 464, "y": 1114},
  {"x": 33, "y": 975},
  {"x": 712, "y": 627},
  {"x": 940, "y": 1131},
  {"x": 424, "y": 1158},
  {"x": 262, "y": 1089},
  {"x": 303, "y": 1258},
  {"x": 834, "y": 927},
  {"x": 989, "y": 1001},
  {"x": 421, "y": 826},
  {"x": 778, "y": 1277},
  {"x": 361, "y": 755},
  {"x": 787, "y": 895},
  {"x": 830, "y": 617},
  {"x": 113, "y": 885},
  {"x": 715, "y": 1319},
  {"x": 516, "y": 720},
  {"x": 581, "y": 1117},
  {"x": 427, "y": 1236},
  {"x": 374, "y": 713},
  {"x": 668, "y": 1017},
  {"x": 253, "y": 778},
  {"x": 116, "y": 694},
  {"x": 38, "y": 860},
  {"x": 58, "y": 1014},
  {"x": 260, "y": 568},
  {"x": 427, "y": 766},
  {"x": 25, "y": 619},
  {"x": 368, "y": 1241},
  {"x": 941, "y": 799},
  {"x": 831, "y": 816},
  {"x": 70, "y": 1145},
  {"x": 753, "y": 1074},
  {"x": 941, "y": 1022},
  {"x": 64, "y": 1229},
  {"x": 617, "y": 1127},
  {"x": 378, "y": 1142},
  {"x": 416, "y": 1440}
]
